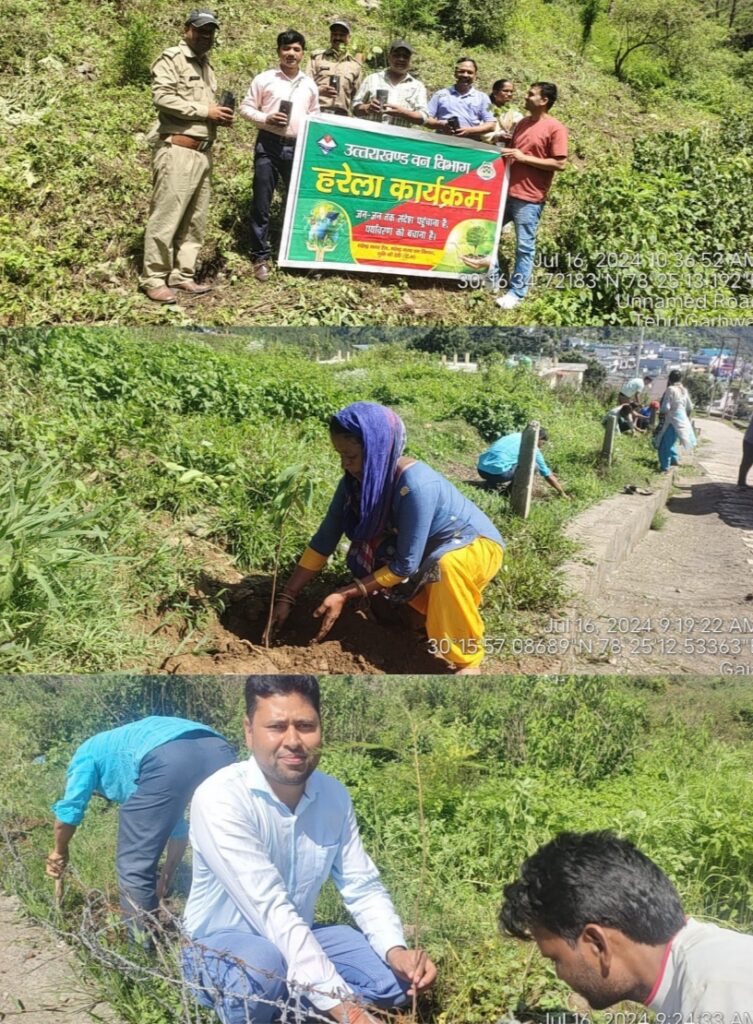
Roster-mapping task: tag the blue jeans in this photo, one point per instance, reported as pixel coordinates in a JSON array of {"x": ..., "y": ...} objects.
[
  {"x": 168, "y": 775},
  {"x": 525, "y": 216},
  {"x": 495, "y": 478},
  {"x": 241, "y": 975},
  {"x": 668, "y": 454}
]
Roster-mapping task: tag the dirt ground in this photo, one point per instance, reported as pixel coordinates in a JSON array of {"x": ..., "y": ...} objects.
[
  {"x": 38, "y": 980},
  {"x": 358, "y": 644}
]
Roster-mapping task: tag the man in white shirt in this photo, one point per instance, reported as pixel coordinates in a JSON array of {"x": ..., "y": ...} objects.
[
  {"x": 612, "y": 923},
  {"x": 278, "y": 132},
  {"x": 266, "y": 836},
  {"x": 394, "y": 95}
]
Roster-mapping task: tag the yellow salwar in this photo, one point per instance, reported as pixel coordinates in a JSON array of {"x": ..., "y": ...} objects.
[{"x": 451, "y": 605}]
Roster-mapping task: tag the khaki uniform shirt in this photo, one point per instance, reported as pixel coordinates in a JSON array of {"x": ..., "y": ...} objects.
[
  {"x": 183, "y": 87},
  {"x": 328, "y": 62}
]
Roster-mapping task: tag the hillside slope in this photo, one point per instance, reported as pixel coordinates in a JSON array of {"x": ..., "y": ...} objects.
[{"x": 75, "y": 106}]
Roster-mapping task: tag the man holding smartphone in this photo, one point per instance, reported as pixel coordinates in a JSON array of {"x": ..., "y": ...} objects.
[
  {"x": 462, "y": 110},
  {"x": 276, "y": 102},
  {"x": 336, "y": 71},
  {"x": 183, "y": 90},
  {"x": 393, "y": 96}
]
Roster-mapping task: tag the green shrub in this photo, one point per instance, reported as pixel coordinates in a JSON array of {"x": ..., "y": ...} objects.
[{"x": 135, "y": 51}]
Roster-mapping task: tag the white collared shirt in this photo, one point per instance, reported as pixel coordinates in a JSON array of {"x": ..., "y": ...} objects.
[
  {"x": 409, "y": 93},
  {"x": 258, "y": 865},
  {"x": 266, "y": 91},
  {"x": 707, "y": 977}
]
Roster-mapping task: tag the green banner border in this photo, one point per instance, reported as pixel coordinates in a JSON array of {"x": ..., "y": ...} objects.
[{"x": 377, "y": 129}]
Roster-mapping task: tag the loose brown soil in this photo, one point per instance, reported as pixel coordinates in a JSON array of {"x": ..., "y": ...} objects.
[{"x": 357, "y": 645}]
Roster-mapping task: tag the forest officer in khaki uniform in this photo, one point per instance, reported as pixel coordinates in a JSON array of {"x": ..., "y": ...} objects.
[
  {"x": 336, "y": 61},
  {"x": 183, "y": 88}
]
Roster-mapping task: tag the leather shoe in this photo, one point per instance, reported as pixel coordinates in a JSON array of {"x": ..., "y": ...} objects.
[
  {"x": 261, "y": 272},
  {"x": 193, "y": 287},
  {"x": 161, "y": 294}
]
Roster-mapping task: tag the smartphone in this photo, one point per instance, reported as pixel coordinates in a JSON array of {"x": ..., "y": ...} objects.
[
  {"x": 227, "y": 99},
  {"x": 453, "y": 123},
  {"x": 334, "y": 81},
  {"x": 383, "y": 95},
  {"x": 285, "y": 107}
]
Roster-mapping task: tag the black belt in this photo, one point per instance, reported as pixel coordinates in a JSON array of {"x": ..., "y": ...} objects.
[{"x": 286, "y": 140}]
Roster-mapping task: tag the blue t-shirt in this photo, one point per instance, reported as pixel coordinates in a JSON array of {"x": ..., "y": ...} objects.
[
  {"x": 429, "y": 516},
  {"x": 109, "y": 763},
  {"x": 471, "y": 108},
  {"x": 503, "y": 455}
]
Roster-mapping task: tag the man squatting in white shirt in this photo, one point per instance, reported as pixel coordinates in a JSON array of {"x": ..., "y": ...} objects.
[
  {"x": 612, "y": 923},
  {"x": 266, "y": 834}
]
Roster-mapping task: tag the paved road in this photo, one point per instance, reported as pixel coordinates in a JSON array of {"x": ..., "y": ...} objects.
[{"x": 682, "y": 602}]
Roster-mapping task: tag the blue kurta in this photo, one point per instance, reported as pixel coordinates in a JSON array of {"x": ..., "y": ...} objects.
[{"x": 428, "y": 517}]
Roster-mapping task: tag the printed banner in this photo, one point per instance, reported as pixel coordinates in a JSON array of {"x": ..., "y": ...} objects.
[{"x": 369, "y": 196}]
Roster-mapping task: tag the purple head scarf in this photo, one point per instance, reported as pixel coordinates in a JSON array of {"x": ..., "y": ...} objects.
[{"x": 382, "y": 434}]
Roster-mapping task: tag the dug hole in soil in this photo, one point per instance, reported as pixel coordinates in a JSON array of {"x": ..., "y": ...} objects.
[{"x": 357, "y": 644}]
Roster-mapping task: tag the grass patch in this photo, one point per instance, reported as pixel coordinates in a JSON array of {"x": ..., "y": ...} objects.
[{"x": 173, "y": 450}]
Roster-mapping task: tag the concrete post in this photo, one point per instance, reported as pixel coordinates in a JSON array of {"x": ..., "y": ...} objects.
[
  {"x": 607, "y": 449},
  {"x": 653, "y": 419},
  {"x": 522, "y": 484}
]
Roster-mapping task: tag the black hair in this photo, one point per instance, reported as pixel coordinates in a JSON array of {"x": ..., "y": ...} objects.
[
  {"x": 675, "y": 376},
  {"x": 500, "y": 82},
  {"x": 548, "y": 90},
  {"x": 290, "y": 36},
  {"x": 469, "y": 60},
  {"x": 259, "y": 687},
  {"x": 591, "y": 878},
  {"x": 543, "y": 434}
]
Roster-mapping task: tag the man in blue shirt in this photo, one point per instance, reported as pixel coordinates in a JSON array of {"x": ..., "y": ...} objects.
[
  {"x": 266, "y": 834},
  {"x": 499, "y": 462},
  {"x": 151, "y": 767},
  {"x": 462, "y": 101}
]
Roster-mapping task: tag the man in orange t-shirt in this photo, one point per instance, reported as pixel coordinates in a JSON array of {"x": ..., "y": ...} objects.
[{"x": 537, "y": 150}]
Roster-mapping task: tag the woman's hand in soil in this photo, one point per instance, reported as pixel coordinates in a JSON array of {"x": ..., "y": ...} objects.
[
  {"x": 329, "y": 612},
  {"x": 280, "y": 614}
]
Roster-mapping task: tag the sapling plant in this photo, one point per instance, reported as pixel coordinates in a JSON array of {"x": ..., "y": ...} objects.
[{"x": 294, "y": 492}]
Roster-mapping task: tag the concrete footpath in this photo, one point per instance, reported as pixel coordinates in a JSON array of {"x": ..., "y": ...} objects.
[{"x": 681, "y": 602}]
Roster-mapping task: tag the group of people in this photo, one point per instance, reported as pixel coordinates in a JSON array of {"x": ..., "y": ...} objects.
[
  {"x": 673, "y": 425},
  {"x": 267, "y": 832},
  {"x": 184, "y": 90}
]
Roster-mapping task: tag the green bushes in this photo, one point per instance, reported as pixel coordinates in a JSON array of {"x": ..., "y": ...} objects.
[
  {"x": 136, "y": 50},
  {"x": 504, "y": 764},
  {"x": 468, "y": 23},
  {"x": 668, "y": 237}
]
